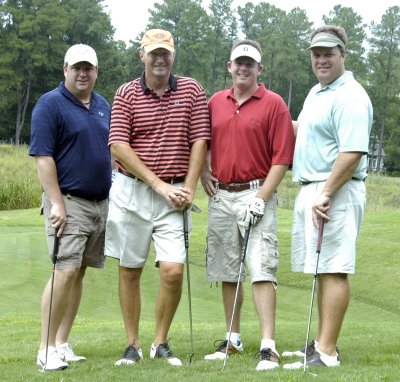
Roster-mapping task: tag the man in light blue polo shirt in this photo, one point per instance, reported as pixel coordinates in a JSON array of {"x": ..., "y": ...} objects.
[{"x": 330, "y": 162}]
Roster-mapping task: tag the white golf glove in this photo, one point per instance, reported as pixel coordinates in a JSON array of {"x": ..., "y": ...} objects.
[{"x": 254, "y": 211}]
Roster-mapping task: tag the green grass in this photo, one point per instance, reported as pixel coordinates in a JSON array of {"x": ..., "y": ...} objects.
[{"x": 369, "y": 342}]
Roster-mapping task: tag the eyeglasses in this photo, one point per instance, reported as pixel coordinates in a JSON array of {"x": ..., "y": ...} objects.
[{"x": 163, "y": 55}]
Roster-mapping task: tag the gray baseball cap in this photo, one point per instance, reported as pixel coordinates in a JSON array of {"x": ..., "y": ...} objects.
[{"x": 326, "y": 40}]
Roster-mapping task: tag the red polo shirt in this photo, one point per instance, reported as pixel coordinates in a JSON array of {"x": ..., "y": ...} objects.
[{"x": 247, "y": 140}]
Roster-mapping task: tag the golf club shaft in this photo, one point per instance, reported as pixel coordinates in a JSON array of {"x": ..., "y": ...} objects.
[
  {"x": 319, "y": 244},
  {"x": 54, "y": 261},
  {"x": 245, "y": 242},
  {"x": 186, "y": 235}
]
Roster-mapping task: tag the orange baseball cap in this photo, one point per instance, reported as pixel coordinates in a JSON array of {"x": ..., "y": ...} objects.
[{"x": 157, "y": 38}]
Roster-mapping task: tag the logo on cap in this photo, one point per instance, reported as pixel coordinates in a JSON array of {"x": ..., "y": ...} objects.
[{"x": 157, "y": 38}]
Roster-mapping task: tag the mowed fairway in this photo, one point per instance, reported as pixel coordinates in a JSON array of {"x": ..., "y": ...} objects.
[{"x": 369, "y": 343}]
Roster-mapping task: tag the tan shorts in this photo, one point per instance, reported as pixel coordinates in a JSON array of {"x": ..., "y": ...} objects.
[
  {"x": 82, "y": 241},
  {"x": 137, "y": 215},
  {"x": 338, "y": 251},
  {"x": 225, "y": 239}
]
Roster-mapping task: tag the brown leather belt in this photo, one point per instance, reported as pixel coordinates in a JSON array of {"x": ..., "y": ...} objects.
[
  {"x": 179, "y": 179},
  {"x": 237, "y": 187}
]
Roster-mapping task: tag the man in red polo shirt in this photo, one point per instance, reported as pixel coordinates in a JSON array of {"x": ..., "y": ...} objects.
[
  {"x": 159, "y": 132},
  {"x": 252, "y": 143}
]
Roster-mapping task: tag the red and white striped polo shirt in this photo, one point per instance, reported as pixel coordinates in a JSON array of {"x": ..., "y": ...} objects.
[{"x": 162, "y": 130}]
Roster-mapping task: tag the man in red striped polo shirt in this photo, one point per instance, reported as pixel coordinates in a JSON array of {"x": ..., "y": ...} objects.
[{"x": 159, "y": 135}]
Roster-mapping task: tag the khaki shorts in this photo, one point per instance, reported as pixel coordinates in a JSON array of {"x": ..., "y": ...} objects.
[
  {"x": 225, "y": 239},
  {"x": 137, "y": 215},
  {"x": 338, "y": 251},
  {"x": 82, "y": 240}
]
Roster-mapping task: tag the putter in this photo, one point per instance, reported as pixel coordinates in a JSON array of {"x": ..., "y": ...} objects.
[
  {"x": 245, "y": 242},
  {"x": 54, "y": 260},
  {"x": 186, "y": 236},
  {"x": 319, "y": 244}
]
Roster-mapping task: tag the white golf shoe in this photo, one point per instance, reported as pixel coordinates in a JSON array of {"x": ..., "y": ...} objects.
[
  {"x": 53, "y": 362},
  {"x": 67, "y": 354}
]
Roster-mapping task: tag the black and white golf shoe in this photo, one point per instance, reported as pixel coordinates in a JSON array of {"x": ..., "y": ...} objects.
[
  {"x": 130, "y": 356},
  {"x": 163, "y": 351},
  {"x": 310, "y": 351},
  {"x": 314, "y": 360},
  {"x": 300, "y": 353}
]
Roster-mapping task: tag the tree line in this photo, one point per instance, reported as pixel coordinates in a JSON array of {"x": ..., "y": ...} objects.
[{"x": 36, "y": 33}]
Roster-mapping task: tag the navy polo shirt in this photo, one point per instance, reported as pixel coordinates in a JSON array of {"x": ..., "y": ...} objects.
[{"x": 77, "y": 139}]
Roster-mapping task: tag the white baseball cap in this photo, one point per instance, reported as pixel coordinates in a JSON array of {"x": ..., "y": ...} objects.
[
  {"x": 245, "y": 50},
  {"x": 80, "y": 53}
]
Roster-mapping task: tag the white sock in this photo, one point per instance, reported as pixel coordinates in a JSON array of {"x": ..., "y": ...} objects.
[
  {"x": 235, "y": 338},
  {"x": 328, "y": 360},
  {"x": 268, "y": 343}
]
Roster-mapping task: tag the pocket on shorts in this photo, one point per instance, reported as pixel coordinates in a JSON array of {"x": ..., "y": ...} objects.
[
  {"x": 214, "y": 203},
  {"x": 69, "y": 240},
  {"x": 270, "y": 251}
]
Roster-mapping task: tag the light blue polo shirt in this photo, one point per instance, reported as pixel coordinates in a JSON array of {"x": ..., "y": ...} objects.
[{"x": 336, "y": 118}]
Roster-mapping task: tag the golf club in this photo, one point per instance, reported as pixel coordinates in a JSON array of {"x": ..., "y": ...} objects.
[
  {"x": 195, "y": 208},
  {"x": 245, "y": 241},
  {"x": 54, "y": 260},
  {"x": 186, "y": 236},
  {"x": 319, "y": 244}
]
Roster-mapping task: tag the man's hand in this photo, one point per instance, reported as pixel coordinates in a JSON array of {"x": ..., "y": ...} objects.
[
  {"x": 177, "y": 197},
  {"x": 320, "y": 209},
  {"x": 58, "y": 217},
  {"x": 208, "y": 180},
  {"x": 254, "y": 211}
]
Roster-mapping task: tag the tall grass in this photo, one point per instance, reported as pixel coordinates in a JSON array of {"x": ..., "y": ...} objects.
[
  {"x": 20, "y": 189},
  {"x": 19, "y": 186}
]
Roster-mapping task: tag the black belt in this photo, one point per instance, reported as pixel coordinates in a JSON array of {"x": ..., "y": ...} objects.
[
  {"x": 179, "y": 179},
  {"x": 305, "y": 183},
  {"x": 237, "y": 187},
  {"x": 78, "y": 194}
]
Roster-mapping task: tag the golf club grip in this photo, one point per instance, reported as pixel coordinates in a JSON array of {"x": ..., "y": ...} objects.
[
  {"x": 186, "y": 227},
  {"x": 56, "y": 245},
  {"x": 245, "y": 242},
  {"x": 320, "y": 235}
]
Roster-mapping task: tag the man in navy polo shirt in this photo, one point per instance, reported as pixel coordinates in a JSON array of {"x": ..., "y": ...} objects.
[{"x": 69, "y": 140}]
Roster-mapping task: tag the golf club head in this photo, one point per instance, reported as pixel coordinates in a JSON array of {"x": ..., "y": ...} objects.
[
  {"x": 195, "y": 208},
  {"x": 190, "y": 356}
]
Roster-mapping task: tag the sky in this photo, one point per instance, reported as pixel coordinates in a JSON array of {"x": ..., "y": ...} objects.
[{"x": 129, "y": 18}]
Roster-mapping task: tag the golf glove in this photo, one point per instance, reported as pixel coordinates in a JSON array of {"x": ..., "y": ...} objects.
[{"x": 254, "y": 211}]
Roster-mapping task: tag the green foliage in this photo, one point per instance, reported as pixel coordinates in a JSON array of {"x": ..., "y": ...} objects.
[
  {"x": 384, "y": 82},
  {"x": 36, "y": 33}
]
